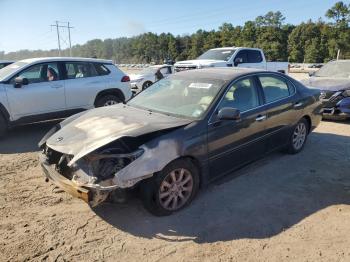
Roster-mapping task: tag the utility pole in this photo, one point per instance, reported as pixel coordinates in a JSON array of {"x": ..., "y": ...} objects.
[
  {"x": 70, "y": 43},
  {"x": 59, "y": 38}
]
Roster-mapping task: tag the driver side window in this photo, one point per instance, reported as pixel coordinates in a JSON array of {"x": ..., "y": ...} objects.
[
  {"x": 242, "y": 95},
  {"x": 242, "y": 55},
  {"x": 40, "y": 73}
]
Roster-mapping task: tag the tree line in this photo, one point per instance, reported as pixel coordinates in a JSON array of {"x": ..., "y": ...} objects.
[{"x": 309, "y": 42}]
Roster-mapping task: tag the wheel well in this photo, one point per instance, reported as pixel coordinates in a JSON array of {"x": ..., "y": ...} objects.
[
  {"x": 4, "y": 113},
  {"x": 115, "y": 92},
  {"x": 196, "y": 163},
  {"x": 308, "y": 119}
]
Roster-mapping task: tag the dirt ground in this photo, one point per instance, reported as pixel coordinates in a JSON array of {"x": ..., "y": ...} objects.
[{"x": 281, "y": 208}]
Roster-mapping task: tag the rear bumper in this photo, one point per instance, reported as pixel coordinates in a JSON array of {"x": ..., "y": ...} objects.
[{"x": 62, "y": 182}]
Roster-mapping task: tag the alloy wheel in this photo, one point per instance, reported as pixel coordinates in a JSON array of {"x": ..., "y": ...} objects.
[
  {"x": 299, "y": 135},
  {"x": 110, "y": 103},
  {"x": 176, "y": 189}
]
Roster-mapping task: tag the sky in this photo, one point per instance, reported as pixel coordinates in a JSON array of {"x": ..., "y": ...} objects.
[{"x": 25, "y": 24}]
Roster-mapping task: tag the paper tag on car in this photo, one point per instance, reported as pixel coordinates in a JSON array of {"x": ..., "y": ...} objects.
[{"x": 200, "y": 85}]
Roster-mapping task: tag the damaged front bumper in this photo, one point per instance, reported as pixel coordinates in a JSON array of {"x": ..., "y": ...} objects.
[
  {"x": 336, "y": 105},
  {"x": 63, "y": 182}
]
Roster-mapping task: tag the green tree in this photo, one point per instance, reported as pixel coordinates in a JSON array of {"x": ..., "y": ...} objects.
[{"x": 340, "y": 13}]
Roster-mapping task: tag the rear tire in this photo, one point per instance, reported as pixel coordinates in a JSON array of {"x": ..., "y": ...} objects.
[
  {"x": 171, "y": 189},
  {"x": 3, "y": 126},
  {"x": 298, "y": 137},
  {"x": 107, "y": 100}
]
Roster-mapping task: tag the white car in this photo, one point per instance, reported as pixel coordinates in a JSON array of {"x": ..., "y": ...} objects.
[
  {"x": 4, "y": 63},
  {"x": 148, "y": 76},
  {"x": 233, "y": 57},
  {"x": 38, "y": 89}
]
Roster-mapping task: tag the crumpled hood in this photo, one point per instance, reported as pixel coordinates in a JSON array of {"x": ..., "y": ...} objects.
[
  {"x": 200, "y": 62},
  {"x": 98, "y": 127},
  {"x": 327, "y": 83}
]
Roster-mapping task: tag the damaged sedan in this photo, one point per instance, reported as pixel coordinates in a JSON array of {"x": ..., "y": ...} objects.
[
  {"x": 333, "y": 79},
  {"x": 178, "y": 135}
]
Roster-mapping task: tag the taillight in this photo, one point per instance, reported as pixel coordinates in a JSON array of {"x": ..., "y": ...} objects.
[{"x": 126, "y": 79}]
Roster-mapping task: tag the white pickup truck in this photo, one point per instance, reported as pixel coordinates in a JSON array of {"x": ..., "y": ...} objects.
[{"x": 233, "y": 57}]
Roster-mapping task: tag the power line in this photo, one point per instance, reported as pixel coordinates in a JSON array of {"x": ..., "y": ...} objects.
[{"x": 60, "y": 39}]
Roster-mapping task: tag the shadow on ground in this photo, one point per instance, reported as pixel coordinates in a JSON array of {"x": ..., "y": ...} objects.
[
  {"x": 265, "y": 199},
  {"x": 24, "y": 139}
]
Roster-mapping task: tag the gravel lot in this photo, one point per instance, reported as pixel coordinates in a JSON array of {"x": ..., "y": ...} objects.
[{"x": 283, "y": 207}]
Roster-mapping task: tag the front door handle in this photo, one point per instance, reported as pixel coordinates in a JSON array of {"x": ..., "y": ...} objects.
[{"x": 260, "y": 118}]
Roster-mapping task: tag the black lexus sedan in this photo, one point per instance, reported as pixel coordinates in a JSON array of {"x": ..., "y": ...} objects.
[{"x": 178, "y": 135}]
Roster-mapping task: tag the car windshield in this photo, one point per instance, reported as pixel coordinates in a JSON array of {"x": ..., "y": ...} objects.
[
  {"x": 335, "y": 69},
  {"x": 179, "y": 96},
  {"x": 218, "y": 54},
  {"x": 8, "y": 70}
]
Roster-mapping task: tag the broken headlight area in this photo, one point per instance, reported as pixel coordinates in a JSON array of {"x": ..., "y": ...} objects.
[
  {"x": 95, "y": 171},
  {"x": 99, "y": 168}
]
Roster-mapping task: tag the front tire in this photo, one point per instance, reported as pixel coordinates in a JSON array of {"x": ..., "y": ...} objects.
[
  {"x": 299, "y": 136},
  {"x": 146, "y": 85},
  {"x": 171, "y": 189},
  {"x": 107, "y": 100}
]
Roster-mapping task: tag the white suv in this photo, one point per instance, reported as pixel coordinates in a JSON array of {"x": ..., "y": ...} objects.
[{"x": 38, "y": 89}]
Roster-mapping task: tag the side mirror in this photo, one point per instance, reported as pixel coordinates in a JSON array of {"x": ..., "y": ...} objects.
[
  {"x": 229, "y": 113},
  {"x": 19, "y": 82},
  {"x": 237, "y": 61},
  {"x": 311, "y": 73}
]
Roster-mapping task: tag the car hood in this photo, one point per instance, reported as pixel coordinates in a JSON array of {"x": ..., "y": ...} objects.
[
  {"x": 327, "y": 83},
  {"x": 98, "y": 127}
]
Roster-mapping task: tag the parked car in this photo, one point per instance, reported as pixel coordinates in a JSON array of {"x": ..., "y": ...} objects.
[
  {"x": 178, "y": 135},
  {"x": 44, "y": 88},
  {"x": 334, "y": 81},
  {"x": 315, "y": 66},
  {"x": 233, "y": 57},
  {"x": 148, "y": 76},
  {"x": 4, "y": 63}
]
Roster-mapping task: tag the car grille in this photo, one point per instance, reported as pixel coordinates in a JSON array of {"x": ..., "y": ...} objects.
[{"x": 184, "y": 68}]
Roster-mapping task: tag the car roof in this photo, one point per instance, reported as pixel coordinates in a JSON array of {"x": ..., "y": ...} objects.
[
  {"x": 220, "y": 73},
  {"x": 75, "y": 59},
  {"x": 234, "y": 48}
]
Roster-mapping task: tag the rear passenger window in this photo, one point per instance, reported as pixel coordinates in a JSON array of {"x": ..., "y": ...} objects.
[
  {"x": 254, "y": 56},
  {"x": 101, "y": 69},
  {"x": 274, "y": 88},
  {"x": 80, "y": 70}
]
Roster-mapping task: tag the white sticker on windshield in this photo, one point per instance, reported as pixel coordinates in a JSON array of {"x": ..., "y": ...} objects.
[
  {"x": 226, "y": 52},
  {"x": 200, "y": 85}
]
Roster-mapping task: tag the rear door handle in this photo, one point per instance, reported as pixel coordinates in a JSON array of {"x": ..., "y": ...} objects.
[
  {"x": 260, "y": 118},
  {"x": 298, "y": 104},
  {"x": 56, "y": 86}
]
